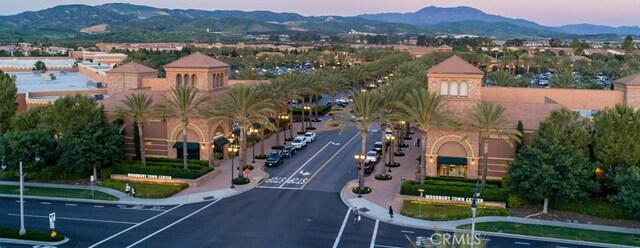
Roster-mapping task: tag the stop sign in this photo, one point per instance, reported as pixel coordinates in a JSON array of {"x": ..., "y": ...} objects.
[{"x": 246, "y": 171}]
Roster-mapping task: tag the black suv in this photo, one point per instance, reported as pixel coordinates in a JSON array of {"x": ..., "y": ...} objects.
[
  {"x": 274, "y": 159},
  {"x": 288, "y": 151}
]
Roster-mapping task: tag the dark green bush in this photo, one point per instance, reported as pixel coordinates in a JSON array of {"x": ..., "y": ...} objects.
[
  {"x": 276, "y": 147},
  {"x": 13, "y": 233},
  {"x": 365, "y": 190},
  {"x": 248, "y": 166},
  {"x": 393, "y": 165},
  {"x": 383, "y": 177},
  {"x": 262, "y": 156},
  {"x": 515, "y": 201},
  {"x": 452, "y": 188},
  {"x": 240, "y": 181},
  {"x": 594, "y": 207},
  {"x": 311, "y": 128},
  {"x": 203, "y": 163}
]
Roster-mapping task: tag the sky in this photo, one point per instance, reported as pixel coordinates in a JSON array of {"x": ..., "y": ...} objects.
[{"x": 546, "y": 12}]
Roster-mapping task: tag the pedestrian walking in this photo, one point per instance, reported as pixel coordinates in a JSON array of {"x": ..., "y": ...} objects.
[
  {"x": 127, "y": 189},
  {"x": 417, "y": 142},
  {"x": 390, "y": 213},
  {"x": 133, "y": 192},
  {"x": 356, "y": 214}
]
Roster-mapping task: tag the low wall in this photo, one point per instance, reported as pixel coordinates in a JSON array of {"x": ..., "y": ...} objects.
[
  {"x": 191, "y": 182},
  {"x": 402, "y": 198}
]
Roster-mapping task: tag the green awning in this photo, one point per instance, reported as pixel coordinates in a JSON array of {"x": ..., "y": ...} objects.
[
  {"x": 236, "y": 132},
  {"x": 256, "y": 125},
  {"x": 452, "y": 160},
  {"x": 190, "y": 146},
  {"x": 220, "y": 141}
]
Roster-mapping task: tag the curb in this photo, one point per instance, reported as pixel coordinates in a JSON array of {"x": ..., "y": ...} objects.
[
  {"x": 507, "y": 235},
  {"x": 32, "y": 242}
]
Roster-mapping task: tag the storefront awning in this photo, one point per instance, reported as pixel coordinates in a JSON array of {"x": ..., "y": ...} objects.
[
  {"x": 452, "y": 160},
  {"x": 220, "y": 141},
  {"x": 190, "y": 146}
]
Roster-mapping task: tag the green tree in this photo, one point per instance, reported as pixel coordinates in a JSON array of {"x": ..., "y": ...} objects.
[
  {"x": 17, "y": 145},
  {"x": 183, "y": 103},
  {"x": 489, "y": 119},
  {"x": 334, "y": 83},
  {"x": 72, "y": 112},
  {"x": 424, "y": 110},
  {"x": 32, "y": 119},
  {"x": 520, "y": 128},
  {"x": 628, "y": 195},
  {"x": 616, "y": 132},
  {"x": 627, "y": 45},
  {"x": 545, "y": 171},
  {"x": 90, "y": 148},
  {"x": 245, "y": 105},
  {"x": 138, "y": 108},
  {"x": 8, "y": 105},
  {"x": 554, "y": 42},
  {"x": 39, "y": 66},
  {"x": 562, "y": 79},
  {"x": 566, "y": 128},
  {"x": 576, "y": 45}
]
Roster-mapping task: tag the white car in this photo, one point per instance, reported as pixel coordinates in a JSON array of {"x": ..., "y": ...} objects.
[
  {"x": 310, "y": 136},
  {"x": 299, "y": 142},
  {"x": 372, "y": 156},
  {"x": 388, "y": 133}
]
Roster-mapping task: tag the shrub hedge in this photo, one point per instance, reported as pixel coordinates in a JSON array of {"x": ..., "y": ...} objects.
[
  {"x": 593, "y": 207},
  {"x": 453, "y": 188},
  {"x": 191, "y": 173}
]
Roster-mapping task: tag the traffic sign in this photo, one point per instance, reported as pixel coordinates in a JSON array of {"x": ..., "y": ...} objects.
[{"x": 52, "y": 221}]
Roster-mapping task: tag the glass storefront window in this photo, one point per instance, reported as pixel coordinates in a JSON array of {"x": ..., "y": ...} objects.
[{"x": 446, "y": 170}]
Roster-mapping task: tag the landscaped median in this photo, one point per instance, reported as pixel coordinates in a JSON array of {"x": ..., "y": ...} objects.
[
  {"x": 57, "y": 192},
  {"x": 558, "y": 232},
  {"x": 444, "y": 212},
  {"x": 31, "y": 235}
]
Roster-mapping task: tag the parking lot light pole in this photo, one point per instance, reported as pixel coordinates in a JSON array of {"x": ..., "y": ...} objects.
[{"x": 359, "y": 160}]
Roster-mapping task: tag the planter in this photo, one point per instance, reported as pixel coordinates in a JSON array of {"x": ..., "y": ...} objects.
[
  {"x": 407, "y": 138},
  {"x": 311, "y": 128},
  {"x": 248, "y": 166},
  {"x": 240, "y": 181},
  {"x": 365, "y": 190},
  {"x": 278, "y": 147},
  {"x": 261, "y": 156},
  {"x": 383, "y": 177},
  {"x": 317, "y": 120},
  {"x": 301, "y": 132},
  {"x": 393, "y": 165},
  {"x": 289, "y": 139},
  {"x": 398, "y": 154},
  {"x": 404, "y": 145}
]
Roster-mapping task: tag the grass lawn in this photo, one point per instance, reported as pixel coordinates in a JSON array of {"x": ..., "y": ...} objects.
[
  {"x": 147, "y": 190},
  {"x": 55, "y": 192},
  {"x": 559, "y": 232},
  {"x": 12, "y": 233},
  {"x": 441, "y": 211}
]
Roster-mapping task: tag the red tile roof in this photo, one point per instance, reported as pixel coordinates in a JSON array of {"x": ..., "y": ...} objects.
[
  {"x": 454, "y": 65},
  {"x": 132, "y": 68},
  {"x": 630, "y": 80},
  {"x": 531, "y": 114},
  {"x": 197, "y": 60}
]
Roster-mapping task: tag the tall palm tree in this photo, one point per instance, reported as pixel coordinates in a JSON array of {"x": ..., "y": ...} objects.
[
  {"x": 139, "y": 107},
  {"x": 335, "y": 83},
  {"x": 425, "y": 110},
  {"x": 182, "y": 102},
  {"x": 562, "y": 79},
  {"x": 489, "y": 119},
  {"x": 366, "y": 111},
  {"x": 245, "y": 105},
  {"x": 357, "y": 75},
  {"x": 303, "y": 90}
]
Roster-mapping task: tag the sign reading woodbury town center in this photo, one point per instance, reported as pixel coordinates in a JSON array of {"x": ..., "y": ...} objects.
[
  {"x": 452, "y": 198},
  {"x": 148, "y": 176}
]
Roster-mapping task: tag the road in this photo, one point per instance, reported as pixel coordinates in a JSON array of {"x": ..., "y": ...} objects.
[{"x": 297, "y": 206}]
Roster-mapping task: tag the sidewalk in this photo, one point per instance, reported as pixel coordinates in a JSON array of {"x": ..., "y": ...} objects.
[
  {"x": 385, "y": 194},
  {"x": 215, "y": 188}
]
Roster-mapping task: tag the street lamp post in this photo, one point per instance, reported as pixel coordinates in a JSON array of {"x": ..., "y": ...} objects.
[
  {"x": 285, "y": 119},
  {"x": 253, "y": 132},
  {"x": 420, "y": 202},
  {"x": 307, "y": 108},
  {"x": 473, "y": 212},
  {"x": 232, "y": 154},
  {"x": 359, "y": 160},
  {"x": 4, "y": 166},
  {"x": 392, "y": 142}
]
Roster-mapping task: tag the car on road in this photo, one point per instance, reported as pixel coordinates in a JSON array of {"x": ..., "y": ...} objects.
[
  {"x": 274, "y": 159},
  {"x": 288, "y": 151},
  {"x": 372, "y": 156},
  {"x": 310, "y": 136},
  {"x": 378, "y": 147},
  {"x": 299, "y": 142}
]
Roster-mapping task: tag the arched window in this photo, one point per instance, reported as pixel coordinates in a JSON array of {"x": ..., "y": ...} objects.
[
  {"x": 453, "y": 89},
  {"x": 194, "y": 80},
  {"x": 464, "y": 89},
  {"x": 187, "y": 80},
  {"x": 444, "y": 88},
  {"x": 178, "y": 80}
]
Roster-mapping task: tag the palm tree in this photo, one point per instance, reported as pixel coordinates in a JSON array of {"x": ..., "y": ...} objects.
[
  {"x": 366, "y": 111},
  {"x": 502, "y": 78},
  {"x": 245, "y": 105},
  {"x": 425, "y": 110},
  {"x": 489, "y": 119},
  {"x": 562, "y": 79},
  {"x": 357, "y": 75},
  {"x": 335, "y": 83},
  {"x": 139, "y": 107},
  {"x": 182, "y": 102}
]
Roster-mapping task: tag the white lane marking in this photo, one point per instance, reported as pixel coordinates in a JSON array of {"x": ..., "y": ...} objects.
[
  {"x": 375, "y": 233},
  {"x": 387, "y": 246},
  {"x": 45, "y": 203},
  {"x": 176, "y": 222},
  {"x": 305, "y": 164},
  {"x": 98, "y": 206},
  {"x": 344, "y": 222},
  {"x": 521, "y": 243},
  {"x": 77, "y": 219},
  {"x": 132, "y": 227},
  {"x": 403, "y": 231},
  {"x": 71, "y": 204},
  {"x": 274, "y": 187},
  {"x": 329, "y": 160}
]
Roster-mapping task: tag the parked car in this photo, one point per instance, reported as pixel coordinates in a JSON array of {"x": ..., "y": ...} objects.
[
  {"x": 288, "y": 151},
  {"x": 378, "y": 147},
  {"x": 341, "y": 104},
  {"x": 310, "y": 136},
  {"x": 274, "y": 159},
  {"x": 388, "y": 133},
  {"x": 369, "y": 166},
  {"x": 372, "y": 156},
  {"x": 329, "y": 103},
  {"x": 299, "y": 142}
]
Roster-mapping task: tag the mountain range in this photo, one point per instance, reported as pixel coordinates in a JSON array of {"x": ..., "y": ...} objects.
[{"x": 119, "y": 18}]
